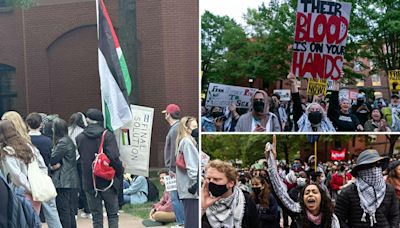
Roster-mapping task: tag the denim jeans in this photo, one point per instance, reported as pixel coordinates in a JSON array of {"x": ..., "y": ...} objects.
[
  {"x": 110, "y": 198},
  {"x": 178, "y": 208},
  {"x": 50, "y": 212}
]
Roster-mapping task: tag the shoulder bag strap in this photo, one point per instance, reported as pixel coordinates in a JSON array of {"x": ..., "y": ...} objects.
[{"x": 100, "y": 151}]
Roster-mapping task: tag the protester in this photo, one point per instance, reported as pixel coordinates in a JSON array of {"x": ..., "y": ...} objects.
[
  {"x": 44, "y": 144},
  {"x": 88, "y": 143},
  {"x": 162, "y": 211},
  {"x": 259, "y": 118},
  {"x": 277, "y": 108},
  {"x": 222, "y": 203},
  {"x": 4, "y": 202},
  {"x": 214, "y": 120},
  {"x": 361, "y": 109},
  {"x": 314, "y": 118},
  {"x": 15, "y": 155},
  {"x": 339, "y": 111},
  {"x": 394, "y": 177},
  {"x": 392, "y": 113},
  {"x": 172, "y": 115},
  {"x": 231, "y": 118},
  {"x": 314, "y": 209},
  {"x": 137, "y": 190},
  {"x": 377, "y": 123},
  {"x": 76, "y": 125},
  {"x": 187, "y": 176},
  {"x": 339, "y": 179},
  {"x": 301, "y": 181},
  {"x": 65, "y": 173},
  {"x": 368, "y": 202},
  {"x": 267, "y": 207}
]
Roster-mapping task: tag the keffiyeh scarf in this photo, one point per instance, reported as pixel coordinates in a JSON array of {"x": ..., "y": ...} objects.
[
  {"x": 371, "y": 189},
  {"x": 227, "y": 212},
  {"x": 306, "y": 126},
  {"x": 395, "y": 117}
]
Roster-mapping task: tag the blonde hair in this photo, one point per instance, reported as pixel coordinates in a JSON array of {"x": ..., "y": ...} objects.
[
  {"x": 223, "y": 167},
  {"x": 183, "y": 129},
  {"x": 19, "y": 124}
]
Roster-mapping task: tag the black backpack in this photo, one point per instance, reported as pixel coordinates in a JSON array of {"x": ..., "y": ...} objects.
[{"x": 153, "y": 194}]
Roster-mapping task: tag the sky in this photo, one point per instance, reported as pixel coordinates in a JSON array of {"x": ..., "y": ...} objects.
[{"x": 232, "y": 8}]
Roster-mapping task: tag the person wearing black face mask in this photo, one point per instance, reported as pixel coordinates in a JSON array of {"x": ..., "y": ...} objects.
[
  {"x": 259, "y": 119},
  {"x": 361, "y": 109},
  {"x": 267, "y": 207},
  {"x": 220, "y": 197},
  {"x": 214, "y": 120},
  {"x": 314, "y": 118}
]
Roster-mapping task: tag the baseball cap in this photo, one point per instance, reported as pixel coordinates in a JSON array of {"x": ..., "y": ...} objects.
[
  {"x": 172, "y": 108},
  {"x": 94, "y": 114}
]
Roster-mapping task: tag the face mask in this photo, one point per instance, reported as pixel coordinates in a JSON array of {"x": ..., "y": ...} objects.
[
  {"x": 195, "y": 133},
  {"x": 258, "y": 106},
  {"x": 257, "y": 190},
  {"x": 360, "y": 101},
  {"x": 301, "y": 181},
  {"x": 217, "y": 114},
  {"x": 315, "y": 117},
  {"x": 217, "y": 190},
  {"x": 323, "y": 179}
]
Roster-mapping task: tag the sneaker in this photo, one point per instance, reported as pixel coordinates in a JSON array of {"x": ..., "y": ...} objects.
[
  {"x": 150, "y": 223},
  {"x": 86, "y": 215}
]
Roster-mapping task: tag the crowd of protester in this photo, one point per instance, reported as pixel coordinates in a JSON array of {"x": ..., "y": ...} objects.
[
  {"x": 361, "y": 192},
  {"x": 301, "y": 114},
  {"x": 65, "y": 152}
]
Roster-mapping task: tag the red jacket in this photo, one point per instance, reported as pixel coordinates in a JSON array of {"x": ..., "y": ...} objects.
[{"x": 337, "y": 180}]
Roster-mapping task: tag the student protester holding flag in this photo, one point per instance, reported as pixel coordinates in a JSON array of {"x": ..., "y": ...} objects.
[{"x": 314, "y": 118}]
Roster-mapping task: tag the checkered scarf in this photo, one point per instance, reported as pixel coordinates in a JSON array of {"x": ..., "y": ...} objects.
[
  {"x": 371, "y": 189},
  {"x": 395, "y": 117},
  {"x": 227, "y": 212}
]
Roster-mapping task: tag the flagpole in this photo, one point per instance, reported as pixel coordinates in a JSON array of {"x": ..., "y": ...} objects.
[{"x": 103, "y": 109}]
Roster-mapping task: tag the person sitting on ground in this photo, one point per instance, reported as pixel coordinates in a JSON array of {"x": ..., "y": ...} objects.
[
  {"x": 136, "y": 192},
  {"x": 259, "y": 118},
  {"x": 377, "y": 123},
  {"x": 162, "y": 211},
  {"x": 314, "y": 118}
]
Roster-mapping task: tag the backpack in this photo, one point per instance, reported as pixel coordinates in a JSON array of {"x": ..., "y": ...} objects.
[
  {"x": 20, "y": 210},
  {"x": 153, "y": 194},
  {"x": 101, "y": 167}
]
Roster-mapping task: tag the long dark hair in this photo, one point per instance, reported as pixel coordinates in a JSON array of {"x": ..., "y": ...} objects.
[
  {"x": 326, "y": 208},
  {"x": 263, "y": 198},
  {"x": 77, "y": 119},
  {"x": 60, "y": 129}
]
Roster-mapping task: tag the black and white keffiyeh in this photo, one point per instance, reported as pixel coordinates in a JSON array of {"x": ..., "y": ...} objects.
[
  {"x": 306, "y": 126},
  {"x": 371, "y": 189},
  {"x": 227, "y": 212}
]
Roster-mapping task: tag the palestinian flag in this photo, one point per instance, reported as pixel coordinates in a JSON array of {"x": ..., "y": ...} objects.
[{"x": 115, "y": 81}]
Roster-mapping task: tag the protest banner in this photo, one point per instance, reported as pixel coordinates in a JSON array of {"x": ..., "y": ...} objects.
[
  {"x": 170, "y": 183},
  {"x": 224, "y": 95},
  {"x": 317, "y": 87},
  {"x": 134, "y": 140},
  {"x": 338, "y": 155},
  {"x": 320, "y": 38},
  {"x": 394, "y": 80},
  {"x": 283, "y": 93}
]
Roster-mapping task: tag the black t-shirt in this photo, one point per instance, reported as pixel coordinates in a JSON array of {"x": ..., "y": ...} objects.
[{"x": 347, "y": 122}]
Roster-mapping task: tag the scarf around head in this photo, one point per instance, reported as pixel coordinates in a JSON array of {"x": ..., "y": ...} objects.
[
  {"x": 306, "y": 126},
  {"x": 371, "y": 189},
  {"x": 227, "y": 212}
]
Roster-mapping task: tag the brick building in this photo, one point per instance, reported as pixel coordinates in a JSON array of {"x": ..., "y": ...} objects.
[{"x": 48, "y": 59}]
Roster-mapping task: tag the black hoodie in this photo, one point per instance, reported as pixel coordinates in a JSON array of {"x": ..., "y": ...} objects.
[{"x": 88, "y": 143}]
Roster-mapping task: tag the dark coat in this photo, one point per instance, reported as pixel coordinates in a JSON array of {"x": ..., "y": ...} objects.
[
  {"x": 349, "y": 211},
  {"x": 64, "y": 153},
  {"x": 250, "y": 217},
  {"x": 88, "y": 143}
]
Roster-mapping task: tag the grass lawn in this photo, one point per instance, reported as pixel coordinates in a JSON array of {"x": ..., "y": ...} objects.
[{"x": 143, "y": 210}]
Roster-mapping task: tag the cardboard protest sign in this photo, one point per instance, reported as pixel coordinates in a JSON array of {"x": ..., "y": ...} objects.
[
  {"x": 320, "y": 38},
  {"x": 317, "y": 87},
  {"x": 283, "y": 93},
  {"x": 224, "y": 95},
  {"x": 170, "y": 183},
  {"x": 394, "y": 80},
  {"x": 134, "y": 140}
]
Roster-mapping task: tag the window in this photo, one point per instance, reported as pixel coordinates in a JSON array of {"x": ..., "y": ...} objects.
[
  {"x": 8, "y": 92},
  {"x": 376, "y": 80},
  {"x": 359, "y": 82}
]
